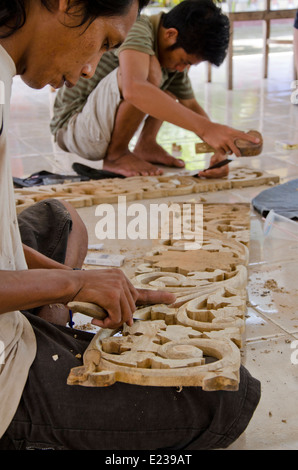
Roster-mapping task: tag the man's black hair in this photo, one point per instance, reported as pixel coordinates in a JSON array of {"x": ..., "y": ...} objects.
[
  {"x": 204, "y": 30},
  {"x": 13, "y": 12}
]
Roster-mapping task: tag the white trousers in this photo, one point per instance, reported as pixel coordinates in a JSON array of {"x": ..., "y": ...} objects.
[{"x": 89, "y": 132}]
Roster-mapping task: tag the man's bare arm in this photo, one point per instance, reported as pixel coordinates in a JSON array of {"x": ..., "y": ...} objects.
[
  {"x": 108, "y": 288},
  {"x": 194, "y": 106},
  {"x": 23, "y": 290},
  {"x": 217, "y": 156},
  {"x": 36, "y": 260},
  {"x": 136, "y": 89}
]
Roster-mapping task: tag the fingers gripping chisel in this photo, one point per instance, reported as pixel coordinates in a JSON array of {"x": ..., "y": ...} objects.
[{"x": 247, "y": 149}]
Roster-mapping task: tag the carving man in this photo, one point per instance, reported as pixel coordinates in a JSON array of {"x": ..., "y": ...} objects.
[
  {"x": 147, "y": 77},
  {"x": 55, "y": 42}
]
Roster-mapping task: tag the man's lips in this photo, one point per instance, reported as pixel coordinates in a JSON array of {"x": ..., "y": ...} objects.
[
  {"x": 68, "y": 83},
  {"x": 63, "y": 82}
]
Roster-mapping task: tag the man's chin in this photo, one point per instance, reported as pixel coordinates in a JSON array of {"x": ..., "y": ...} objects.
[{"x": 33, "y": 83}]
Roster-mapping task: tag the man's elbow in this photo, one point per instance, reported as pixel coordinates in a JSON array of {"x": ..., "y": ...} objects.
[{"x": 128, "y": 93}]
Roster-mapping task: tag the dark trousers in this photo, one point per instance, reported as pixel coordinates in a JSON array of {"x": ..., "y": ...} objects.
[{"x": 54, "y": 415}]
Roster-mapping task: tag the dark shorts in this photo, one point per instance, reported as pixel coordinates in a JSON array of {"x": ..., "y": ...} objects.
[
  {"x": 54, "y": 415},
  {"x": 45, "y": 227},
  {"x": 296, "y": 21}
]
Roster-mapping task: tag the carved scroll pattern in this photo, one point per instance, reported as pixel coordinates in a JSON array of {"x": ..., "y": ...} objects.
[
  {"x": 82, "y": 194},
  {"x": 196, "y": 341}
]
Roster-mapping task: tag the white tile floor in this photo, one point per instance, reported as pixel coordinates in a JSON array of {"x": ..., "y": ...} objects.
[{"x": 272, "y": 317}]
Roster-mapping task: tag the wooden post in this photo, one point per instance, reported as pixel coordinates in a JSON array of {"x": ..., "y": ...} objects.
[{"x": 230, "y": 58}]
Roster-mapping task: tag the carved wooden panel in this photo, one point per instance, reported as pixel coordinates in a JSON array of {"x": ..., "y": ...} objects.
[
  {"x": 93, "y": 192},
  {"x": 196, "y": 341},
  {"x": 153, "y": 353},
  {"x": 221, "y": 253},
  {"x": 187, "y": 287}
]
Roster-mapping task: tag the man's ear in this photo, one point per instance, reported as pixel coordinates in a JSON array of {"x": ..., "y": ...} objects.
[
  {"x": 68, "y": 12},
  {"x": 63, "y": 6},
  {"x": 171, "y": 36}
]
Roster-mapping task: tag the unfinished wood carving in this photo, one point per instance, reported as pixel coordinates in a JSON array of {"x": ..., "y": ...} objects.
[
  {"x": 137, "y": 188},
  {"x": 215, "y": 254},
  {"x": 229, "y": 220},
  {"x": 196, "y": 341},
  {"x": 212, "y": 242},
  {"x": 193, "y": 284},
  {"x": 220, "y": 310},
  {"x": 153, "y": 353},
  {"x": 233, "y": 222},
  {"x": 239, "y": 177}
]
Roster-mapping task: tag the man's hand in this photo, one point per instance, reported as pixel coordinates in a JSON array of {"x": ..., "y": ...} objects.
[
  {"x": 152, "y": 297},
  {"x": 216, "y": 172},
  {"x": 222, "y": 138},
  {"x": 112, "y": 290}
]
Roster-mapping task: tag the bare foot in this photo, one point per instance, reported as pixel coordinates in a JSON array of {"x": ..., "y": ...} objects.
[
  {"x": 129, "y": 164},
  {"x": 154, "y": 153}
]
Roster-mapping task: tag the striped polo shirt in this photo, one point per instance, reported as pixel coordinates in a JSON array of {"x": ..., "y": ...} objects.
[{"x": 142, "y": 38}]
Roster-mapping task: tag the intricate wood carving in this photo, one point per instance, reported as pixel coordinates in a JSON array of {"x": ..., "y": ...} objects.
[
  {"x": 153, "y": 353},
  {"x": 137, "y": 188},
  {"x": 196, "y": 341}
]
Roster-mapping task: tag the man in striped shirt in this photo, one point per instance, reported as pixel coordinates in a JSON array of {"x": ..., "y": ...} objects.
[{"x": 147, "y": 77}]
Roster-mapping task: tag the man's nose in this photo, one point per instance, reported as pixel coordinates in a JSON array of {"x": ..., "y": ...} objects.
[{"x": 89, "y": 69}]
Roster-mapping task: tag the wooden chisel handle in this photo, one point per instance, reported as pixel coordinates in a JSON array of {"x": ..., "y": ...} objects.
[
  {"x": 247, "y": 149},
  {"x": 92, "y": 310}
]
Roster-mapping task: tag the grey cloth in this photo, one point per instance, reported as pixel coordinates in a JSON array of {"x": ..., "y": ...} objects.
[
  {"x": 45, "y": 227},
  {"x": 283, "y": 199}
]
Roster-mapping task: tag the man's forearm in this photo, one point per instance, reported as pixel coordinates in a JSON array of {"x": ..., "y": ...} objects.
[
  {"x": 36, "y": 260},
  {"x": 23, "y": 290},
  {"x": 195, "y": 107},
  {"x": 156, "y": 103}
]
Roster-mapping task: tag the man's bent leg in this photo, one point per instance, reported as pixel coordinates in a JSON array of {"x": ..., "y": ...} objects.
[
  {"x": 149, "y": 150},
  {"x": 54, "y": 229},
  {"x": 147, "y": 153},
  {"x": 54, "y": 415},
  {"x": 119, "y": 158},
  {"x": 88, "y": 133}
]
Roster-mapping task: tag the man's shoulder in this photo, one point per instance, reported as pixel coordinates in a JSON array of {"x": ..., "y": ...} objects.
[
  {"x": 143, "y": 21},
  {"x": 141, "y": 37}
]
